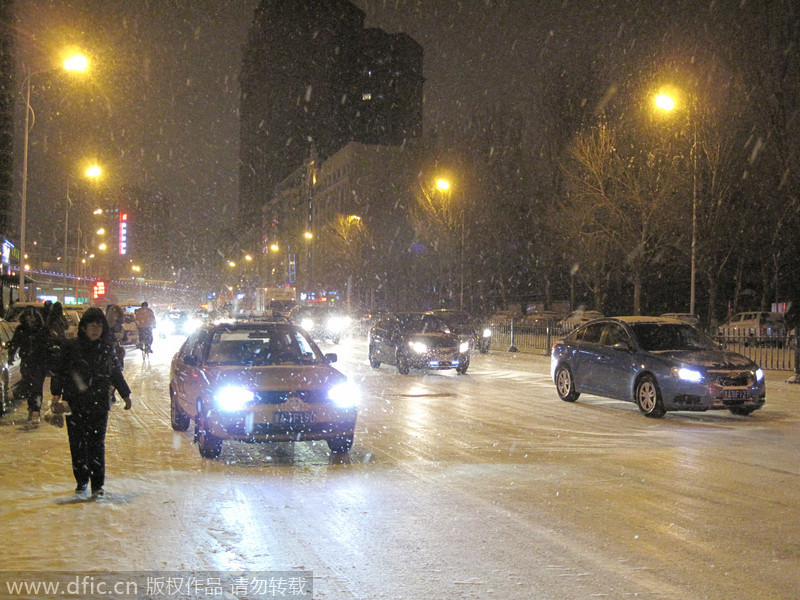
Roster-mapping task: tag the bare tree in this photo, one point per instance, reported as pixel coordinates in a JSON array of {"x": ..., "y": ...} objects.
[{"x": 623, "y": 203}]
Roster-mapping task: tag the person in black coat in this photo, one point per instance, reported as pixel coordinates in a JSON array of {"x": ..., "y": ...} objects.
[
  {"x": 83, "y": 381},
  {"x": 30, "y": 339}
]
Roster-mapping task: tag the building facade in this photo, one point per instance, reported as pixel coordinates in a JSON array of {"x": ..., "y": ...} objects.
[
  {"x": 313, "y": 76},
  {"x": 338, "y": 224}
]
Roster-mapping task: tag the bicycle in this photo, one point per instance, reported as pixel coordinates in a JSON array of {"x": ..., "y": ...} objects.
[{"x": 145, "y": 342}]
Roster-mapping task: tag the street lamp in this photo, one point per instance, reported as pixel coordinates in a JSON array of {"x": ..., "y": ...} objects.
[
  {"x": 666, "y": 102},
  {"x": 444, "y": 186},
  {"x": 93, "y": 172},
  {"x": 75, "y": 63}
]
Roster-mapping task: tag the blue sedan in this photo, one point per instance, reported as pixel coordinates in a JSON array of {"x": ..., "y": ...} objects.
[{"x": 661, "y": 364}]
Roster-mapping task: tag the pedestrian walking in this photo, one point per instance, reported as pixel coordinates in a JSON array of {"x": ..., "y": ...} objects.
[
  {"x": 56, "y": 327},
  {"x": 31, "y": 341},
  {"x": 81, "y": 386},
  {"x": 116, "y": 332}
]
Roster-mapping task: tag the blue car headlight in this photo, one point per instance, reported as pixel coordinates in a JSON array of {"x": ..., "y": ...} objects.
[
  {"x": 418, "y": 347},
  {"x": 686, "y": 374},
  {"x": 345, "y": 394},
  {"x": 233, "y": 398}
]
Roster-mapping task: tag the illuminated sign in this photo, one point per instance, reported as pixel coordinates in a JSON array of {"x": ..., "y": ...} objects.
[
  {"x": 123, "y": 233},
  {"x": 99, "y": 289}
]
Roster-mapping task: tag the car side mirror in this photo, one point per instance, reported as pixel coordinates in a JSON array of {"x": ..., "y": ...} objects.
[
  {"x": 331, "y": 357},
  {"x": 623, "y": 346},
  {"x": 191, "y": 361}
]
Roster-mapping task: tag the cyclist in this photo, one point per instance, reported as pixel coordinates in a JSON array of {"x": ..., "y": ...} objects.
[{"x": 145, "y": 321}]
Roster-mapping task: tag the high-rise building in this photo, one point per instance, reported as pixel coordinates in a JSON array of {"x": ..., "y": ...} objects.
[
  {"x": 314, "y": 77},
  {"x": 7, "y": 96}
]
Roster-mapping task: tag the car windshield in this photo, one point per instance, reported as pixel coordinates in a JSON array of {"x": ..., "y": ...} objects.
[
  {"x": 261, "y": 347},
  {"x": 655, "y": 337},
  {"x": 456, "y": 318},
  {"x": 425, "y": 325}
]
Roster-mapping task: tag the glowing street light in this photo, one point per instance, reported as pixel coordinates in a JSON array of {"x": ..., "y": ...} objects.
[{"x": 74, "y": 63}]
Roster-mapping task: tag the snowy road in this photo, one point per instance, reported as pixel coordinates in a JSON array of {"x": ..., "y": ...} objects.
[{"x": 481, "y": 486}]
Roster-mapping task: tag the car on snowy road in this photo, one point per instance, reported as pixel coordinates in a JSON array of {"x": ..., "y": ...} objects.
[
  {"x": 660, "y": 364},
  {"x": 466, "y": 327},
  {"x": 416, "y": 340},
  {"x": 258, "y": 382}
]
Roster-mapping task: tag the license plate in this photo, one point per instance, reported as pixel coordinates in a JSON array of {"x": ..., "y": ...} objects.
[
  {"x": 287, "y": 417},
  {"x": 735, "y": 394}
]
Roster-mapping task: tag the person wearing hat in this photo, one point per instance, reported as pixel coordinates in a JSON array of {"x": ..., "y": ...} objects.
[{"x": 83, "y": 381}]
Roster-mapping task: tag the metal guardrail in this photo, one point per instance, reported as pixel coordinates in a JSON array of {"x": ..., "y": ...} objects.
[{"x": 767, "y": 353}]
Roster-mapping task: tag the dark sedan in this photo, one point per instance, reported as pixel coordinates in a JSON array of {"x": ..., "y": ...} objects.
[
  {"x": 467, "y": 328},
  {"x": 416, "y": 340},
  {"x": 660, "y": 364}
]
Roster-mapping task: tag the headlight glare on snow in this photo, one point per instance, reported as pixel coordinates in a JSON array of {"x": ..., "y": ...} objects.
[
  {"x": 487, "y": 332},
  {"x": 688, "y": 374},
  {"x": 464, "y": 347},
  {"x": 418, "y": 347},
  {"x": 759, "y": 374},
  {"x": 345, "y": 394},
  {"x": 233, "y": 398},
  {"x": 191, "y": 325},
  {"x": 338, "y": 324},
  {"x": 307, "y": 324}
]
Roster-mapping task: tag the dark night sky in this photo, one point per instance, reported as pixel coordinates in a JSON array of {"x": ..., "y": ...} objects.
[{"x": 160, "y": 111}]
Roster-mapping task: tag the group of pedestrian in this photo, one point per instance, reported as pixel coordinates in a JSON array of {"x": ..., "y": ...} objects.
[
  {"x": 85, "y": 371},
  {"x": 38, "y": 339}
]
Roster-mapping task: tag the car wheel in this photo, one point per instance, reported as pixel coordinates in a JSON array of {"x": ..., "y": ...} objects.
[
  {"x": 402, "y": 364},
  {"x": 742, "y": 411},
  {"x": 462, "y": 368},
  {"x": 335, "y": 340},
  {"x": 208, "y": 445},
  {"x": 178, "y": 419},
  {"x": 373, "y": 362},
  {"x": 483, "y": 348},
  {"x": 565, "y": 384},
  {"x": 341, "y": 444},
  {"x": 648, "y": 397}
]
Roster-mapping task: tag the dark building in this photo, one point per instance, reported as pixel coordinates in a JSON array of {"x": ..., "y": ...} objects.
[
  {"x": 7, "y": 96},
  {"x": 313, "y": 76}
]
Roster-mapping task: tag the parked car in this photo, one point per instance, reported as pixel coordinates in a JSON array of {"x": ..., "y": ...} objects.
[
  {"x": 6, "y": 331},
  {"x": 321, "y": 321},
  {"x": 71, "y": 312},
  {"x": 755, "y": 327},
  {"x": 478, "y": 334},
  {"x": 577, "y": 317},
  {"x": 256, "y": 382},
  {"x": 660, "y": 364},
  {"x": 686, "y": 317},
  {"x": 416, "y": 340}
]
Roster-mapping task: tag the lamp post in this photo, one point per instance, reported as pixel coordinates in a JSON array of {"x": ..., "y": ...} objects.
[
  {"x": 444, "y": 186},
  {"x": 78, "y": 63},
  {"x": 665, "y": 102},
  {"x": 92, "y": 172}
]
